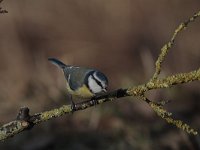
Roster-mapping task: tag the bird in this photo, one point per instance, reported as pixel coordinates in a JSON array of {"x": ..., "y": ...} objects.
[{"x": 82, "y": 82}]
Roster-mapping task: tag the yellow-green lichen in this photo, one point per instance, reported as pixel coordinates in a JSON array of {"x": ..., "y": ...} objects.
[
  {"x": 159, "y": 110},
  {"x": 181, "y": 125},
  {"x": 55, "y": 112}
]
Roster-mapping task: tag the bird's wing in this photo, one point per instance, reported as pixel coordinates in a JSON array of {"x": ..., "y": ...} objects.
[{"x": 77, "y": 77}]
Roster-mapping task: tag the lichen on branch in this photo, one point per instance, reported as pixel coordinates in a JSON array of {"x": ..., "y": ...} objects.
[{"x": 166, "y": 47}]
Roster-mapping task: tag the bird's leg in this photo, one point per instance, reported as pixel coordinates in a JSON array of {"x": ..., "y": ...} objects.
[
  {"x": 98, "y": 96},
  {"x": 73, "y": 105},
  {"x": 94, "y": 101}
]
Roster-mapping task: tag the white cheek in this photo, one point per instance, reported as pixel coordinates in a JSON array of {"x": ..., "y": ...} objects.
[{"x": 93, "y": 85}]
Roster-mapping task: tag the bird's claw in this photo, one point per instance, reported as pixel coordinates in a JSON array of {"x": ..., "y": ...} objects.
[{"x": 73, "y": 106}]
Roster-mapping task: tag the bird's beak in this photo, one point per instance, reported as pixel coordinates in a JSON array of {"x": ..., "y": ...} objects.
[{"x": 105, "y": 90}]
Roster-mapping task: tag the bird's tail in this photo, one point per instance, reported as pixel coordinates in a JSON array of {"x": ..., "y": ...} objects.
[{"x": 57, "y": 63}]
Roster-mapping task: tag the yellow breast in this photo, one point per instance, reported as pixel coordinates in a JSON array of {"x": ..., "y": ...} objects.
[{"x": 82, "y": 92}]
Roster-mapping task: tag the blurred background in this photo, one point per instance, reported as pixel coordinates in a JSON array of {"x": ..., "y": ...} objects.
[{"x": 122, "y": 38}]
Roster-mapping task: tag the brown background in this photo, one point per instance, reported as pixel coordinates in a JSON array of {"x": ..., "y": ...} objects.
[{"x": 122, "y": 38}]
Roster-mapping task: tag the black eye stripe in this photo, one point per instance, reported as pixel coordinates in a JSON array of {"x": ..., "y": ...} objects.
[{"x": 99, "y": 83}]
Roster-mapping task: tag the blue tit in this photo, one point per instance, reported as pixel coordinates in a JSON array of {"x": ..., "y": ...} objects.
[{"x": 82, "y": 82}]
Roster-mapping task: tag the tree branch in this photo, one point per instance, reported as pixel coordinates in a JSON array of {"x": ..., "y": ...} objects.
[
  {"x": 166, "y": 47},
  {"x": 25, "y": 121}
]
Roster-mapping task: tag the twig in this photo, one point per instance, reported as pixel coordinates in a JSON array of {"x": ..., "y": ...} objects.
[{"x": 166, "y": 47}]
